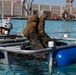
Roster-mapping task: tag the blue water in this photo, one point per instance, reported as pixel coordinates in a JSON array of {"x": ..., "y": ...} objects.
[
  {"x": 52, "y": 28},
  {"x": 32, "y": 67}
]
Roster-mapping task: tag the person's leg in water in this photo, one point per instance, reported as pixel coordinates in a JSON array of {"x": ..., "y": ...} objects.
[
  {"x": 35, "y": 32},
  {"x": 44, "y": 37},
  {"x": 31, "y": 33}
]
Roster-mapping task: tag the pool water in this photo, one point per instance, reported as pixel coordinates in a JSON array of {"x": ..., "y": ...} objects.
[
  {"x": 33, "y": 67},
  {"x": 24, "y": 67},
  {"x": 52, "y": 28}
]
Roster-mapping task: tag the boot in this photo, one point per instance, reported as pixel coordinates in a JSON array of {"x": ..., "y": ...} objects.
[
  {"x": 31, "y": 25},
  {"x": 31, "y": 32},
  {"x": 44, "y": 37}
]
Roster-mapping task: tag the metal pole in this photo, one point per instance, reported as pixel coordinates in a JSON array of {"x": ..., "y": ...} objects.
[
  {"x": 2, "y": 9},
  {"x": 12, "y": 8},
  {"x": 22, "y": 8},
  {"x": 30, "y": 7}
]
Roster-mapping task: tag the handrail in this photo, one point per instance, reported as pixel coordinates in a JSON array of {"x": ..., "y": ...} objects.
[
  {"x": 18, "y": 50},
  {"x": 12, "y": 44},
  {"x": 69, "y": 39},
  {"x": 12, "y": 40}
]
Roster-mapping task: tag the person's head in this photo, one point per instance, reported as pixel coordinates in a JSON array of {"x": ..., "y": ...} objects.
[
  {"x": 8, "y": 18},
  {"x": 5, "y": 26}
]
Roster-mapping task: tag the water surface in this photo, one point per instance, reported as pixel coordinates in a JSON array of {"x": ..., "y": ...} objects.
[{"x": 33, "y": 67}]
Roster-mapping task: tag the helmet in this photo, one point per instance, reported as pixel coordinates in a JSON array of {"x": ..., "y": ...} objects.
[{"x": 6, "y": 24}]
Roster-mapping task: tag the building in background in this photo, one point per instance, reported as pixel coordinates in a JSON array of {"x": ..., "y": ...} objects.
[{"x": 14, "y": 8}]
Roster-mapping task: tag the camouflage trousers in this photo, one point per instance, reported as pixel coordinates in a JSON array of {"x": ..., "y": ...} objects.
[
  {"x": 41, "y": 41},
  {"x": 37, "y": 41}
]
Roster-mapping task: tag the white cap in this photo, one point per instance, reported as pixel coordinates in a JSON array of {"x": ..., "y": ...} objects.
[{"x": 51, "y": 44}]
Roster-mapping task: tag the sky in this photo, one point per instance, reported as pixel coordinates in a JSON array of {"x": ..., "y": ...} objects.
[{"x": 53, "y": 2}]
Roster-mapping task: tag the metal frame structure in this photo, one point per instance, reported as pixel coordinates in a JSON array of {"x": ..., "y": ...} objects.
[
  {"x": 15, "y": 48},
  {"x": 18, "y": 50}
]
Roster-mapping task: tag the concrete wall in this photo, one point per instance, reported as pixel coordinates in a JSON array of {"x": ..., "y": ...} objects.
[
  {"x": 56, "y": 10},
  {"x": 13, "y": 8},
  {"x": 17, "y": 9},
  {"x": 7, "y": 8}
]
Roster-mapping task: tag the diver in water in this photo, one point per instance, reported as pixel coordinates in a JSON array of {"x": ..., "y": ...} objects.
[
  {"x": 36, "y": 34},
  {"x": 5, "y": 26}
]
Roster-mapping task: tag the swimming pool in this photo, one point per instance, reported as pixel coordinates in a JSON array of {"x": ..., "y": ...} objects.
[{"x": 20, "y": 66}]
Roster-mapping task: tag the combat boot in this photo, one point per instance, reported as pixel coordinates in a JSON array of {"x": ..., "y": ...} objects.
[
  {"x": 44, "y": 37},
  {"x": 31, "y": 32},
  {"x": 32, "y": 25}
]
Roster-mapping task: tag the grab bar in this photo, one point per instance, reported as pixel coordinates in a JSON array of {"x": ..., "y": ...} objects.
[{"x": 18, "y": 50}]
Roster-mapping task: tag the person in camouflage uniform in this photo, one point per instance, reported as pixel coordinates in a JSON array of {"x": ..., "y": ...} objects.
[
  {"x": 38, "y": 39},
  {"x": 36, "y": 34}
]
